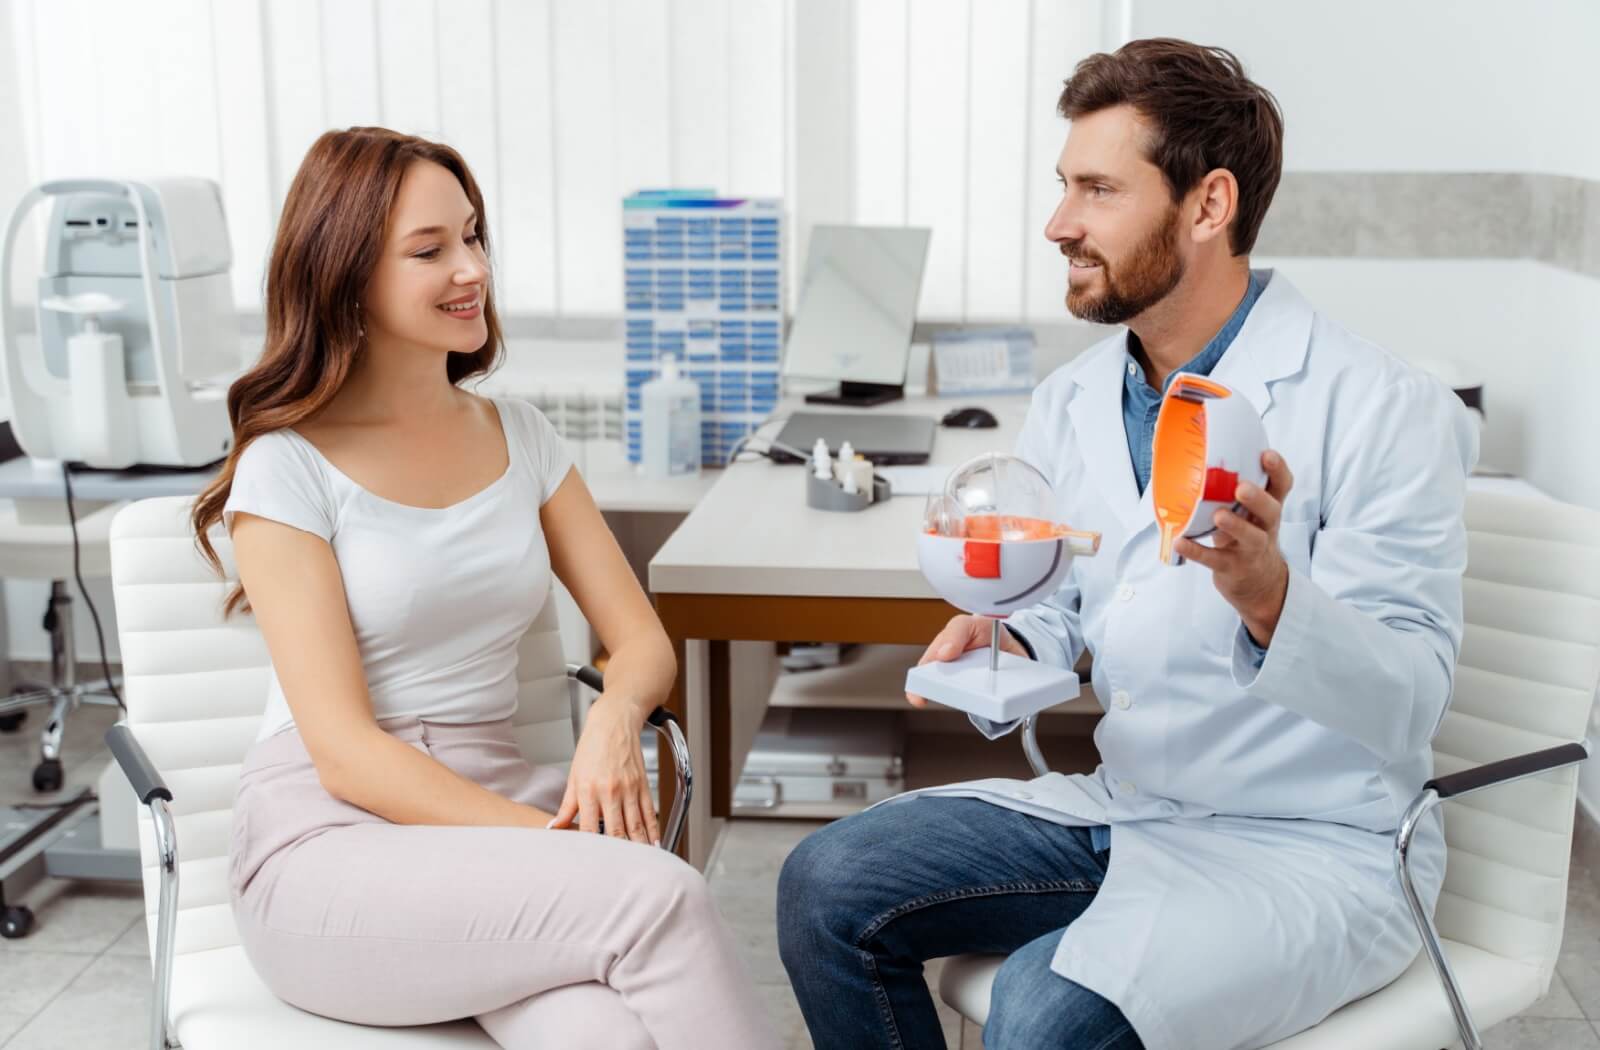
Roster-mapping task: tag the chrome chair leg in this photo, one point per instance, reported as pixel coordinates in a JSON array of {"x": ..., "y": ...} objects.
[
  {"x": 152, "y": 791},
  {"x": 667, "y": 724},
  {"x": 1441, "y": 789},
  {"x": 1429, "y": 933},
  {"x": 166, "y": 924},
  {"x": 1030, "y": 746},
  {"x": 50, "y": 737}
]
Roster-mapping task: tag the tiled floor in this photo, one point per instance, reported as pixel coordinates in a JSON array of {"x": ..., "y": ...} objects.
[{"x": 81, "y": 980}]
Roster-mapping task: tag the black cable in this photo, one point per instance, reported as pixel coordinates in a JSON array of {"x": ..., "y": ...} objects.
[
  {"x": 77, "y": 573},
  {"x": 794, "y": 453},
  {"x": 739, "y": 446},
  {"x": 45, "y": 807}
]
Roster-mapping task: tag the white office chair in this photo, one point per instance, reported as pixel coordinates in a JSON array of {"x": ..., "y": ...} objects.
[
  {"x": 195, "y": 686},
  {"x": 1525, "y": 683}
]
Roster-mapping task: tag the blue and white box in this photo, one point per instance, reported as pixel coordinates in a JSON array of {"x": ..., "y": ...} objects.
[{"x": 703, "y": 280}]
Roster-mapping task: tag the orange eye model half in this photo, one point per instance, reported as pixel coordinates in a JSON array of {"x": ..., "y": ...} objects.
[{"x": 1207, "y": 440}]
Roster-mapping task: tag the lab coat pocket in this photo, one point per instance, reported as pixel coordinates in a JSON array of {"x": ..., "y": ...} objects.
[{"x": 1207, "y": 627}]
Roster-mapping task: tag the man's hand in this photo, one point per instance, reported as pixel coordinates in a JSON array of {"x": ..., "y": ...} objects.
[
  {"x": 1245, "y": 563},
  {"x": 963, "y": 634}
]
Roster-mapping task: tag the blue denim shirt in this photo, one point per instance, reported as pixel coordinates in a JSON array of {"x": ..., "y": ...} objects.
[{"x": 1141, "y": 402}]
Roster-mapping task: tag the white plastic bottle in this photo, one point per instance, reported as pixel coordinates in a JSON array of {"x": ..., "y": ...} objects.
[
  {"x": 821, "y": 462},
  {"x": 670, "y": 414}
]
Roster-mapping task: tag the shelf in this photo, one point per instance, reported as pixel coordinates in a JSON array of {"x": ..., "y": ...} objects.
[
  {"x": 941, "y": 746},
  {"x": 873, "y": 676},
  {"x": 933, "y": 759}
]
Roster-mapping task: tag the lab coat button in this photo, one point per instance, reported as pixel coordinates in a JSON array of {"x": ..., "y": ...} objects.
[
  {"x": 1125, "y": 592},
  {"x": 1129, "y": 788},
  {"x": 1122, "y": 699},
  {"x": 1024, "y": 795}
]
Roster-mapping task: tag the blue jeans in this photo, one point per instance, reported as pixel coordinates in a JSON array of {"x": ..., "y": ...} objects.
[{"x": 866, "y": 900}]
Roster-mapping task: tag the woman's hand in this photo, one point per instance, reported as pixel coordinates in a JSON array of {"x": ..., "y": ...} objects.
[{"x": 607, "y": 782}]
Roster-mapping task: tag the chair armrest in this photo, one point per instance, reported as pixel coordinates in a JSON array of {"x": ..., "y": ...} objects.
[
  {"x": 589, "y": 676},
  {"x": 667, "y": 724},
  {"x": 153, "y": 792},
  {"x": 136, "y": 765},
  {"x": 1507, "y": 770},
  {"x": 1433, "y": 792},
  {"x": 671, "y": 730}
]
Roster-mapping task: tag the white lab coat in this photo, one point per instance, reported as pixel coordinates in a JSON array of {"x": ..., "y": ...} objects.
[{"x": 1251, "y": 889}]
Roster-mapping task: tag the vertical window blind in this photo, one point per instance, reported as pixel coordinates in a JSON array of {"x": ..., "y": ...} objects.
[{"x": 937, "y": 113}]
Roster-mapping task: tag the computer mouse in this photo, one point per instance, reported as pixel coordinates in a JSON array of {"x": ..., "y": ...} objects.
[{"x": 973, "y": 418}]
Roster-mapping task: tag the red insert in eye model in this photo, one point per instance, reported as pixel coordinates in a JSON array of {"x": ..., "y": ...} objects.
[
  {"x": 981, "y": 559},
  {"x": 1221, "y": 485}
]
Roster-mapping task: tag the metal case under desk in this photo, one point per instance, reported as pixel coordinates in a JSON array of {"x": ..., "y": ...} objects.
[{"x": 810, "y": 762}]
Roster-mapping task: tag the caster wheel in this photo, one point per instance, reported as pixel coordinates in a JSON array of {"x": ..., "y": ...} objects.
[
  {"x": 12, "y": 722},
  {"x": 16, "y": 922},
  {"x": 47, "y": 775}
]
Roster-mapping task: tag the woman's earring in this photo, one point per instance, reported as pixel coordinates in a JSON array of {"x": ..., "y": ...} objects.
[{"x": 361, "y": 331}]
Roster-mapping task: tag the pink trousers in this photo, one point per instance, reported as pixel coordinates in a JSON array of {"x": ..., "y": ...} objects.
[{"x": 546, "y": 938}]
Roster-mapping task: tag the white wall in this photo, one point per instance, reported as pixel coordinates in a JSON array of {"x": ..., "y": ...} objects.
[
  {"x": 13, "y": 172},
  {"x": 1438, "y": 85},
  {"x": 1532, "y": 330}
]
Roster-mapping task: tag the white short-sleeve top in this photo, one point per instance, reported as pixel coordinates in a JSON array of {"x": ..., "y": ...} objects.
[{"x": 438, "y": 597}]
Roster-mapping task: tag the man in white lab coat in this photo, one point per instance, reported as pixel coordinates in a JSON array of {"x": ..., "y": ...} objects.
[{"x": 1224, "y": 878}]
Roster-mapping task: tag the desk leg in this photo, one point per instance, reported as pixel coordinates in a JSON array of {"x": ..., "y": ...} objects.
[
  {"x": 704, "y": 829},
  {"x": 690, "y": 701},
  {"x": 719, "y": 668},
  {"x": 693, "y": 679}
]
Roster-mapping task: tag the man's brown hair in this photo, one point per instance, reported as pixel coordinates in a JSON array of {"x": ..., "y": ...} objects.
[{"x": 1204, "y": 114}]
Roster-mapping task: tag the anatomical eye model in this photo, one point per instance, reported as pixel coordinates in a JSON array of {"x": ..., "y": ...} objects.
[
  {"x": 1208, "y": 439},
  {"x": 991, "y": 544}
]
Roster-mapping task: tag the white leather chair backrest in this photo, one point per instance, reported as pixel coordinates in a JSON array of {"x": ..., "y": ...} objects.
[
  {"x": 196, "y": 685},
  {"x": 1526, "y": 679}
]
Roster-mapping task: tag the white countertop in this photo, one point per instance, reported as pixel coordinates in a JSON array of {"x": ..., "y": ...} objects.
[
  {"x": 617, "y": 484},
  {"x": 753, "y": 533}
]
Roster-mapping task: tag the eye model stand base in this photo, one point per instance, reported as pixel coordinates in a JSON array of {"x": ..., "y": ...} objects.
[{"x": 1004, "y": 690}]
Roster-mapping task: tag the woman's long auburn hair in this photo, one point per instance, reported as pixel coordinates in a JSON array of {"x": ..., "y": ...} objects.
[{"x": 329, "y": 240}]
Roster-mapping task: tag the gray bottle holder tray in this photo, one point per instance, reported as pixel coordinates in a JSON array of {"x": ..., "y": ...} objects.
[{"x": 830, "y": 495}]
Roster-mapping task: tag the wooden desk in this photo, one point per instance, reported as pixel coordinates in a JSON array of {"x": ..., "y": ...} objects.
[{"x": 753, "y": 562}]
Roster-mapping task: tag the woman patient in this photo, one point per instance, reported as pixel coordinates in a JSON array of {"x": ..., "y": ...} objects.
[{"x": 395, "y": 860}]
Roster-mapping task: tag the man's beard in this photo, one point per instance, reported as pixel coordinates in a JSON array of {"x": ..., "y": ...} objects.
[{"x": 1151, "y": 270}]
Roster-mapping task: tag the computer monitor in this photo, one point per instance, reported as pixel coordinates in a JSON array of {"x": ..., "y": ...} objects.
[{"x": 858, "y": 305}]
